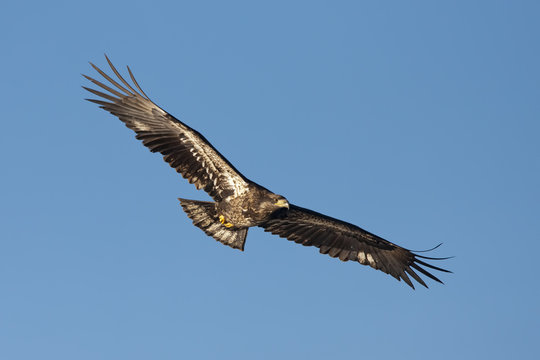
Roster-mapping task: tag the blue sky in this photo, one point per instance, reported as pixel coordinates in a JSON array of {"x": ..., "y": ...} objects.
[{"x": 418, "y": 121}]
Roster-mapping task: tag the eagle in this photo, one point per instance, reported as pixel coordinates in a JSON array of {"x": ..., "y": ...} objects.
[{"x": 239, "y": 203}]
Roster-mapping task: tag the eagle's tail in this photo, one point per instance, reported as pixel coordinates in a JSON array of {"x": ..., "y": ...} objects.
[{"x": 205, "y": 217}]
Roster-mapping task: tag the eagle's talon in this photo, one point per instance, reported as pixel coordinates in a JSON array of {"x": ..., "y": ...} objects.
[{"x": 226, "y": 224}]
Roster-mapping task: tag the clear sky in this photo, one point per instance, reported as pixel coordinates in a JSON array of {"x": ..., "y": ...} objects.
[{"x": 419, "y": 121}]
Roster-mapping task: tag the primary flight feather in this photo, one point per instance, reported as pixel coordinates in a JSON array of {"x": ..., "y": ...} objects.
[{"x": 238, "y": 202}]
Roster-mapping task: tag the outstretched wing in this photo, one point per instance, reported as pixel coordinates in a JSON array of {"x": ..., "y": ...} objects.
[
  {"x": 183, "y": 148},
  {"x": 349, "y": 242}
]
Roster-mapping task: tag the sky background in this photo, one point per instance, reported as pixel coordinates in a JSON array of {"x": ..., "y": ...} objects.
[{"x": 419, "y": 121}]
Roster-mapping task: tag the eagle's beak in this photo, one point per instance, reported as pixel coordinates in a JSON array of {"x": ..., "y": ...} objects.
[{"x": 282, "y": 203}]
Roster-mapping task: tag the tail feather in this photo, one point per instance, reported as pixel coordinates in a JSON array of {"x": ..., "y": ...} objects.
[{"x": 204, "y": 216}]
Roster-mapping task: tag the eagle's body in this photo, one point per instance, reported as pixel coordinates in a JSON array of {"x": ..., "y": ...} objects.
[
  {"x": 252, "y": 208},
  {"x": 238, "y": 202}
]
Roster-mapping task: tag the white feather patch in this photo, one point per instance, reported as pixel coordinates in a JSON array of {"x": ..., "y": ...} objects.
[
  {"x": 141, "y": 126},
  {"x": 361, "y": 257},
  {"x": 370, "y": 259}
]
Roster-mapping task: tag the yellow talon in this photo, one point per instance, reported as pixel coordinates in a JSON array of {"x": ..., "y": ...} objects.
[{"x": 222, "y": 220}]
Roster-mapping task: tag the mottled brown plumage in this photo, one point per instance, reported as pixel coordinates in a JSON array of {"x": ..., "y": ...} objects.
[{"x": 238, "y": 202}]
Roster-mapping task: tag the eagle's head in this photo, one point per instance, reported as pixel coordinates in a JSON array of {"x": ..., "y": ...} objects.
[
  {"x": 281, "y": 202},
  {"x": 276, "y": 205}
]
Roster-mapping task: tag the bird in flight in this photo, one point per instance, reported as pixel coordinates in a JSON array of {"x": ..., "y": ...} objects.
[{"x": 238, "y": 202}]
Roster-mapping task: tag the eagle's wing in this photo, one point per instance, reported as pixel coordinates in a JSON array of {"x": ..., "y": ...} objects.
[
  {"x": 349, "y": 242},
  {"x": 183, "y": 148}
]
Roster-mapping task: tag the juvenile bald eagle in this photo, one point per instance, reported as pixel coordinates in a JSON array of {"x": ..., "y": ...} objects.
[{"x": 238, "y": 202}]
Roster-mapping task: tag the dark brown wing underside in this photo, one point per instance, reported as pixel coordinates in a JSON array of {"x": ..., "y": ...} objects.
[
  {"x": 349, "y": 242},
  {"x": 183, "y": 148}
]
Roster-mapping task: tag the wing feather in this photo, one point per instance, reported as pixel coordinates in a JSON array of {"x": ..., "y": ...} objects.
[
  {"x": 349, "y": 242},
  {"x": 185, "y": 149}
]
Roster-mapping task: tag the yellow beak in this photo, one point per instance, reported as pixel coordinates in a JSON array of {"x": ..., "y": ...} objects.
[{"x": 282, "y": 203}]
